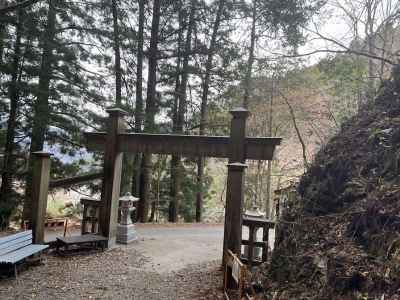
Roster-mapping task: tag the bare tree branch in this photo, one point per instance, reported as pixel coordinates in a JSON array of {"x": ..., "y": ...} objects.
[
  {"x": 292, "y": 114},
  {"x": 346, "y": 51},
  {"x": 352, "y": 51}
]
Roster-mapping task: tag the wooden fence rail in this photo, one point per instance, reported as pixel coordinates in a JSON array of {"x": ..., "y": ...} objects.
[{"x": 66, "y": 182}]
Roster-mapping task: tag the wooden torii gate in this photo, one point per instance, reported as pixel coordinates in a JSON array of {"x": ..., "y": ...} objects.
[{"x": 237, "y": 147}]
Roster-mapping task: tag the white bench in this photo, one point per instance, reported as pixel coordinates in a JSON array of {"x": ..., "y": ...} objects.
[{"x": 17, "y": 247}]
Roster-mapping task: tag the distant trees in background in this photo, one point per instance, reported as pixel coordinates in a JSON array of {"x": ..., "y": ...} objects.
[{"x": 175, "y": 67}]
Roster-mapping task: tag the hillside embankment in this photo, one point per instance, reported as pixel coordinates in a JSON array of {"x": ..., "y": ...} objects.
[{"x": 341, "y": 240}]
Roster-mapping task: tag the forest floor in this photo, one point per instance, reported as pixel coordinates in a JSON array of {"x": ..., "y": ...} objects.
[{"x": 168, "y": 262}]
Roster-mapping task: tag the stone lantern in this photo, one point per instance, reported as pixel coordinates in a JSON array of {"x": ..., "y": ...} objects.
[{"x": 126, "y": 232}]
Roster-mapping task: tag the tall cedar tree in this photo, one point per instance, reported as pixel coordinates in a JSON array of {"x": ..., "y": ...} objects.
[
  {"x": 204, "y": 106},
  {"x": 174, "y": 185},
  {"x": 117, "y": 54},
  {"x": 64, "y": 86},
  {"x": 41, "y": 106},
  {"x": 176, "y": 167},
  {"x": 139, "y": 95},
  {"x": 151, "y": 109},
  {"x": 7, "y": 202}
]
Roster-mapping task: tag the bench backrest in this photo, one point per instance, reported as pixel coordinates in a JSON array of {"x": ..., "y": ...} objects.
[{"x": 15, "y": 241}]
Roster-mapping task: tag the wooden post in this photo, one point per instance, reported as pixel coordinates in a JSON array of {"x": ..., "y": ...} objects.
[
  {"x": 112, "y": 176},
  {"x": 250, "y": 248},
  {"x": 40, "y": 189},
  {"x": 237, "y": 151},
  {"x": 233, "y": 209},
  {"x": 233, "y": 214},
  {"x": 235, "y": 184},
  {"x": 266, "y": 242}
]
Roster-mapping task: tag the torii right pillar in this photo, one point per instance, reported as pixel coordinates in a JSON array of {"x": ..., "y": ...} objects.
[{"x": 235, "y": 183}]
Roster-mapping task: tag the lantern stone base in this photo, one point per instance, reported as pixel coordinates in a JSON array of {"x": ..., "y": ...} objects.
[{"x": 126, "y": 234}]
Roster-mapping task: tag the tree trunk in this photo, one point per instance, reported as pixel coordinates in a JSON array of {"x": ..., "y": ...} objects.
[
  {"x": 268, "y": 202},
  {"x": 204, "y": 106},
  {"x": 8, "y": 165},
  {"x": 117, "y": 55},
  {"x": 177, "y": 168},
  {"x": 150, "y": 111},
  {"x": 128, "y": 159},
  {"x": 139, "y": 98},
  {"x": 41, "y": 110},
  {"x": 174, "y": 188},
  {"x": 2, "y": 31},
  {"x": 370, "y": 36},
  {"x": 250, "y": 61}
]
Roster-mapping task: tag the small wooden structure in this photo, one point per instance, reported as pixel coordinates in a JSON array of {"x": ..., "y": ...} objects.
[
  {"x": 90, "y": 239},
  {"x": 87, "y": 241},
  {"x": 90, "y": 215},
  {"x": 254, "y": 224},
  {"x": 17, "y": 247}
]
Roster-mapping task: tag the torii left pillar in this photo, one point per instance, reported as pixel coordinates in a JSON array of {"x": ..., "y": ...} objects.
[{"x": 112, "y": 176}]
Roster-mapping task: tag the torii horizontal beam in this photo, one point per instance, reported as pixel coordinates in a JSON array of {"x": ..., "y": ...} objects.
[{"x": 261, "y": 148}]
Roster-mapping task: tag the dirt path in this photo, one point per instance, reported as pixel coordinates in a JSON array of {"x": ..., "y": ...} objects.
[
  {"x": 172, "y": 247},
  {"x": 168, "y": 262}
]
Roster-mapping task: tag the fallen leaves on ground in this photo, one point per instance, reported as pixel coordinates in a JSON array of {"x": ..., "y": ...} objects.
[{"x": 114, "y": 274}]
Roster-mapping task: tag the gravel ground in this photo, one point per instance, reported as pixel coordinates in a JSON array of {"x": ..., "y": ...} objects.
[
  {"x": 168, "y": 262},
  {"x": 114, "y": 274}
]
